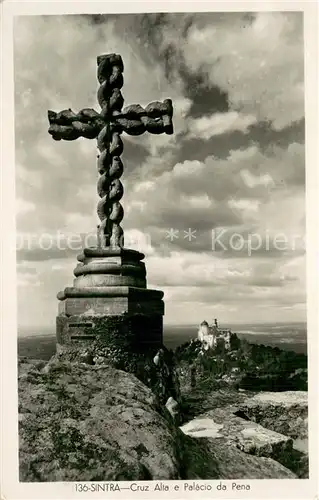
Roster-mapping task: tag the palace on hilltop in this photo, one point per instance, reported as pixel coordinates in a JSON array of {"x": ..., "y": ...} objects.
[{"x": 213, "y": 336}]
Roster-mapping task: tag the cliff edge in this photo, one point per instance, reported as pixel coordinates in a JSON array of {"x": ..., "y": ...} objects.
[{"x": 81, "y": 422}]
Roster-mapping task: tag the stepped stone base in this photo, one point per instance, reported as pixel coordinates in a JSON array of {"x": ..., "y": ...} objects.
[{"x": 109, "y": 304}]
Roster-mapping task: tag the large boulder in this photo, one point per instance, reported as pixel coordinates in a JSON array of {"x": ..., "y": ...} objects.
[
  {"x": 81, "y": 422},
  {"x": 231, "y": 462},
  {"x": 235, "y": 464},
  {"x": 155, "y": 368},
  {"x": 283, "y": 412},
  {"x": 91, "y": 423},
  {"x": 245, "y": 435}
]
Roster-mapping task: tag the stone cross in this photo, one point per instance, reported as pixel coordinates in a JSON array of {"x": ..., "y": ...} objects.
[{"x": 107, "y": 127}]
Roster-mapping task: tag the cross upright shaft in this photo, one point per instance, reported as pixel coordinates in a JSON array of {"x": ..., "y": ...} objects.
[{"x": 107, "y": 127}]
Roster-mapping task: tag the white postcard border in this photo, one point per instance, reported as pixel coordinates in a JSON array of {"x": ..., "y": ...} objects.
[{"x": 10, "y": 486}]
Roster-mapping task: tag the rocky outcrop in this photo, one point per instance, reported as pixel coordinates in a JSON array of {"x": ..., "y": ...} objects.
[
  {"x": 235, "y": 464},
  {"x": 156, "y": 369},
  {"x": 283, "y": 412},
  {"x": 91, "y": 423},
  {"x": 172, "y": 407},
  {"x": 81, "y": 422},
  {"x": 197, "y": 401},
  {"x": 246, "y": 366},
  {"x": 226, "y": 424},
  {"x": 245, "y": 435},
  {"x": 253, "y": 451},
  {"x": 232, "y": 462}
]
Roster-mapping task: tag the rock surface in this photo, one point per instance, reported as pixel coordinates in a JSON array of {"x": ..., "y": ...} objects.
[
  {"x": 245, "y": 435},
  {"x": 283, "y": 412},
  {"x": 234, "y": 464},
  {"x": 202, "y": 427},
  {"x": 172, "y": 407},
  {"x": 91, "y": 423},
  {"x": 157, "y": 374},
  {"x": 231, "y": 462},
  {"x": 196, "y": 402},
  {"x": 79, "y": 422}
]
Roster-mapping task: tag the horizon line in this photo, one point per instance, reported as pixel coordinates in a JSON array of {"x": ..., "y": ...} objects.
[{"x": 46, "y": 327}]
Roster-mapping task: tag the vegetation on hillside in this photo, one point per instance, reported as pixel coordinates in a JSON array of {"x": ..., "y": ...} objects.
[{"x": 244, "y": 365}]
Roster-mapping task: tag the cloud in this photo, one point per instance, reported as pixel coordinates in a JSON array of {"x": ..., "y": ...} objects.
[
  {"x": 183, "y": 269},
  {"x": 27, "y": 276},
  {"x": 249, "y": 192},
  {"x": 235, "y": 160},
  {"x": 258, "y": 63},
  {"x": 220, "y": 123},
  {"x": 24, "y": 268},
  {"x": 23, "y": 206}
]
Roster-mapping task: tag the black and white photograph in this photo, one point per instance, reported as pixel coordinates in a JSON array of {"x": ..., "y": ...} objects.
[{"x": 160, "y": 228}]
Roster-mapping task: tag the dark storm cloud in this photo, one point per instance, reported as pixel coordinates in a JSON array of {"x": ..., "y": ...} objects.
[
  {"x": 260, "y": 134},
  {"x": 97, "y": 19},
  {"x": 206, "y": 97},
  {"x": 134, "y": 155},
  {"x": 263, "y": 135}
]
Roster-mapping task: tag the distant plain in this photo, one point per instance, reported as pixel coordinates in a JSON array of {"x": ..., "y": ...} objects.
[{"x": 293, "y": 336}]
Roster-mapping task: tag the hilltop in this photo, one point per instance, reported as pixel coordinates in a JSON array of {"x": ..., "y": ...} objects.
[{"x": 226, "y": 411}]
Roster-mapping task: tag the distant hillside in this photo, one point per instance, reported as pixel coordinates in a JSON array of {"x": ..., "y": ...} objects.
[
  {"x": 37, "y": 346},
  {"x": 287, "y": 336},
  {"x": 292, "y": 337},
  {"x": 247, "y": 366}
]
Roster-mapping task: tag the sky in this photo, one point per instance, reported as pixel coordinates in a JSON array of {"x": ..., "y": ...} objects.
[{"x": 218, "y": 207}]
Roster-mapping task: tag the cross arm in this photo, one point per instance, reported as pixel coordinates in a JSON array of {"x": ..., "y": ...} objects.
[
  {"x": 69, "y": 126},
  {"x": 155, "y": 118}
]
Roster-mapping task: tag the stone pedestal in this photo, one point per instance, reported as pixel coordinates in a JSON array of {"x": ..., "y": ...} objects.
[{"x": 109, "y": 304}]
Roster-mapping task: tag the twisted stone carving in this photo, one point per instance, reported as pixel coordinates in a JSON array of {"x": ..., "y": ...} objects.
[
  {"x": 69, "y": 126},
  {"x": 155, "y": 118},
  {"x": 110, "y": 145},
  {"x": 107, "y": 127}
]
